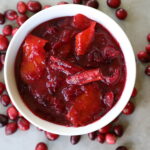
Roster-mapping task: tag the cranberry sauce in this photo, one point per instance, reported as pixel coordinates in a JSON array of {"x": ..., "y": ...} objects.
[{"x": 70, "y": 71}]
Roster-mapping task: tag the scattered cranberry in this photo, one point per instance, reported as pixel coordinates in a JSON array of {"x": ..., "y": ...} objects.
[
  {"x": 92, "y": 3},
  {"x": 92, "y": 136},
  {"x": 2, "y": 58},
  {"x": 23, "y": 124},
  {"x": 111, "y": 138},
  {"x": 7, "y": 30},
  {"x": 47, "y": 6},
  {"x": 75, "y": 139},
  {"x": 22, "y": 7},
  {"x": 134, "y": 93},
  {"x": 5, "y": 100},
  {"x": 77, "y": 1},
  {"x": 121, "y": 13},
  {"x": 51, "y": 136},
  {"x": 101, "y": 138},
  {"x": 143, "y": 56},
  {"x": 2, "y": 87},
  {"x": 113, "y": 3},
  {"x": 21, "y": 19},
  {"x": 105, "y": 129},
  {"x": 11, "y": 14},
  {"x": 41, "y": 146},
  {"x": 34, "y": 6},
  {"x": 147, "y": 48},
  {"x": 3, "y": 42},
  {"x": 14, "y": 31},
  {"x": 12, "y": 113},
  {"x": 3, "y": 120},
  {"x": 128, "y": 109},
  {"x": 121, "y": 148},
  {"x": 2, "y": 18},
  {"x": 118, "y": 130},
  {"x": 11, "y": 128},
  {"x": 61, "y": 3},
  {"x": 147, "y": 70},
  {"x": 148, "y": 37}
]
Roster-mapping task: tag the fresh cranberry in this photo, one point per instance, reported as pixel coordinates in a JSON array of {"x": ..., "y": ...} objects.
[
  {"x": 121, "y": 13},
  {"x": 14, "y": 31},
  {"x": 121, "y": 148},
  {"x": 47, "y": 6},
  {"x": 3, "y": 120},
  {"x": 2, "y": 58},
  {"x": 2, "y": 18},
  {"x": 111, "y": 138},
  {"x": 34, "y": 6},
  {"x": 92, "y": 135},
  {"x": 23, "y": 124},
  {"x": 51, "y": 136},
  {"x": 109, "y": 99},
  {"x": 5, "y": 100},
  {"x": 113, "y": 3},
  {"x": 61, "y": 3},
  {"x": 11, "y": 15},
  {"x": 147, "y": 48},
  {"x": 11, "y": 128},
  {"x": 12, "y": 113},
  {"x": 21, "y": 19},
  {"x": 41, "y": 146},
  {"x": 105, "y": 129},
  {"x": 7, "y": 30},
  {"x": 3, "y": 42},
  {"x": 148, "y": 37},
  {"x": 22, "y": 7},
  {"x": 92, "y": 3},
  {"x": 75, "y": 139},
  {"x": 118, "y": 130},
  {"x": 77, "y": 1},
  {"x": 143, "y": 56},
  {"x": 134, "y": 93},
  {"x": 101, "y": 138},
  {"x": 2, "y": 87},
  {"x": 147, "y": 70},
  {"x": 129, "y": 109}
]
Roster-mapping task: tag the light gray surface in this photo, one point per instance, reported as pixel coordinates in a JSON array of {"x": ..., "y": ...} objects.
[{"x": 137, "y": 126}]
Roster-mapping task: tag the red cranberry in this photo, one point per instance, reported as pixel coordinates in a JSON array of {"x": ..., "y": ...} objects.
[
  {"x": 14, "y": 31},
  {"x": 23, "y": 124},
  {"x": 129, "y": 109},
  {"x": 121, "y": 13},
  {"x": 11, "y": 14},
  {"x": 2, "y": 18},
  {"x": 105, "y": 129},
  {"x": 61, "y": 3},
  {"x": 92, "y": 136},
  {"x": 21, "y": 19},
  {"x": 118, "y": 130},
  {"x": 111, "y": 138},
  {"x": 5, "y": 100},
  {"x": 75, "y": 139},
  {"x": 3, "y": 42},
  {"x": 147, "y": 70},
  {"x": 147, "y": 48},
  {"x": 22, "y": 7},
  {"x": 11, "y": 128},
  {"x": 7, "y": 30},
  {"x": 3, "y": 120},
  {"x": 92, "y": 3},
  {"x": 113, "y": 3},
  {"x": 2, "y": 87},
  {"x": 77, "y": 1},
  {"x": 41, "y": 146},
  {"x": 121, "y": 148},
  {"x": 12, "y": 113},
  {"x": 101, "y": 138},
  {"x": 2, "y": 58},
  {"x": 143, "y": 56},
  {"x": 134, "y": 93},
  {"x": 34, "y": 6},
  {"x": 109, "y": 99},
  {"x": 51, "y": 136},
  {"x": 47, "y": 6},
  {"x": 148, "y": 37}
]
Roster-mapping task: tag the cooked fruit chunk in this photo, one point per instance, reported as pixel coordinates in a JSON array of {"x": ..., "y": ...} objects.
[{"x": 84, "y": 39}]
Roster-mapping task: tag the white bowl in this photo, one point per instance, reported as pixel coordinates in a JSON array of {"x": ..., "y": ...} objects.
[{"x": 61, "y": 11}]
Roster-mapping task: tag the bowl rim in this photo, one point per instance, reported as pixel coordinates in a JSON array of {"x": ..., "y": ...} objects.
[{"x": 60, "y": 11}]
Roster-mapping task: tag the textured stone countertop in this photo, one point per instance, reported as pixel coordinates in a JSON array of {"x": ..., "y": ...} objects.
[{"x": 137, "y": 126}]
